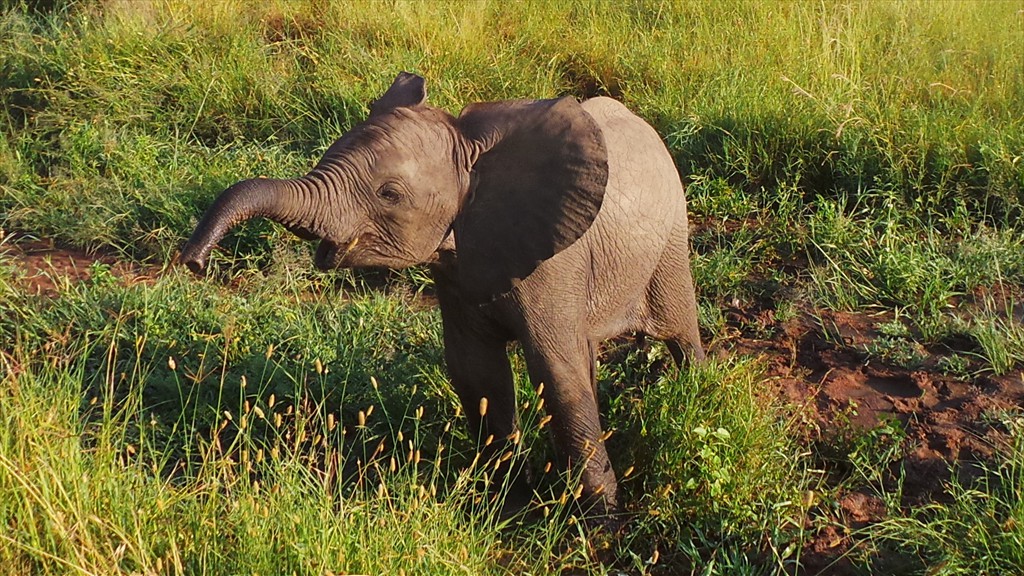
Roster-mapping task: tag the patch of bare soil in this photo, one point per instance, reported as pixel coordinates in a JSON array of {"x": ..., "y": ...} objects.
[
  {"x": 817, "y": 362},
  {"x": 47, "y": 268},
  {"x": 820, "y": 364}
]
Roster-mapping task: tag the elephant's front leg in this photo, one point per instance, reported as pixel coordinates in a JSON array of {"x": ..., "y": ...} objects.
[
  {"x": 564, "y": 362},
  {"x": 480, "y": 372}
]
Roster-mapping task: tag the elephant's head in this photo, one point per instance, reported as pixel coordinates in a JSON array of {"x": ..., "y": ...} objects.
[{"x": 515, "y": 181}]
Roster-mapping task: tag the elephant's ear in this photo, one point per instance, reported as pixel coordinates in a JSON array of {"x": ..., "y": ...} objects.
[
  {"x": 407, "y": 90},
  {"x": 539, "y": 181}
]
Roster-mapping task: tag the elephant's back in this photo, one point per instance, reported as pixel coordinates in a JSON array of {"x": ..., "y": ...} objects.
[
  {"x": 643, "y": 203},
  {"x": 643, "y": 184},
  {"x": 636, "y": 154}
]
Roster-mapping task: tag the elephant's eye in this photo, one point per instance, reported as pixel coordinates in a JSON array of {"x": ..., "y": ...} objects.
[{"x": 389, "y": 194}]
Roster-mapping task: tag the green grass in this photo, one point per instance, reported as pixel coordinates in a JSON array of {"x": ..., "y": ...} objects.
[
  {"x": 731, "y": 490},
  {"x": 975, "y": 529},
  {"x": 237, "y": 499},
  {"x": 121, "y": 119},
  {"x": 859, "y": 156},
  {"x": 165, "y": 428}
]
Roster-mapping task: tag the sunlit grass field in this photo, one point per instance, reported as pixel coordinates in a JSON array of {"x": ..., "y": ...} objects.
[{"x": 269, "y": 419}]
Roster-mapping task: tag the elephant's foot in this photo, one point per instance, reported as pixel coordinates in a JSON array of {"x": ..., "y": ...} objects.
[
  {"x": 514, "y": 498},
  {"x": 598, "y": 503}
]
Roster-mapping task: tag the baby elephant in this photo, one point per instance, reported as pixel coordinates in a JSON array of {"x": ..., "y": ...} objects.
[{"x": 552, "y": 222}]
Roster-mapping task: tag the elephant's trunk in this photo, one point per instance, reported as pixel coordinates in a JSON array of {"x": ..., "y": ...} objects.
[{"x": 289, "y": 202}]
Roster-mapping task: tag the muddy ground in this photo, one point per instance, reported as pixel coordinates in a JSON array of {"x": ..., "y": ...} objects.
[
  {"x": 820, "y": 363},
  {"x": 817, "y": 361}
]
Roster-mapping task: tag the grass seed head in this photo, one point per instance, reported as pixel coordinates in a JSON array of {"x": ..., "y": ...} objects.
[{"x": 483, "y": 407}]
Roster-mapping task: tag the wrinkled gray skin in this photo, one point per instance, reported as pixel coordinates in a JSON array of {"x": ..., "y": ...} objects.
[{"x": 555, "y": 223}]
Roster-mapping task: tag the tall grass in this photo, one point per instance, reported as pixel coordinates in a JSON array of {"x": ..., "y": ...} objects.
[
  {"x": 97, "y": 489},
  {"x": 123, "y": 118},
  {"x": 181, "y": 428}
]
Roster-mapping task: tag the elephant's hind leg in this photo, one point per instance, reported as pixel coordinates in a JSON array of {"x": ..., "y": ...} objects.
[{"x": 672, "y": 303}]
